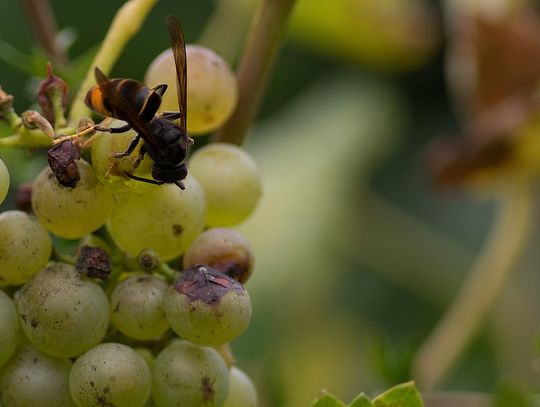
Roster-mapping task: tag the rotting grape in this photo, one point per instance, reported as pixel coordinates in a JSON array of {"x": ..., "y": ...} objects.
[
  {"x": 189, "y": 375},
  {"x": 242, "y": 392},
  {"x": 62, "y": 312},
  {"x": 71, "y": 212},
  {"x": 223, "y": 249},
  {"x": 231, "y": 182},
  {"x": 33, "y": 378},
  {"x": 207, "y": 307},
  {"x": 212, "y": 91},
  {"x": 110, "y": 374},
  {"x": 163, "y": 218},
  {"x": 4, "y": 181},
  {"x": 137, "y": 306},
  {"x": 25, "y": 247},
  {"x": 9, "y": 327}
]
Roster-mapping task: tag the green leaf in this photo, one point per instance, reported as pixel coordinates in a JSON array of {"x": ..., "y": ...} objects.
[
  {"x": 361, "y": 401},
  {"x": 326, "y": 399},
  {"x": 403, "y": 395},
  {"x": 509, "y": 396}
]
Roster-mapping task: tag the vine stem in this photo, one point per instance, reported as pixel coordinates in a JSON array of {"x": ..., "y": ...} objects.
[
  {"x": 263, "y": 42},
  {"x": 44, "y": 27},
  {"x": 127, "y": 22},
  {"x": 489, "y": 272}
]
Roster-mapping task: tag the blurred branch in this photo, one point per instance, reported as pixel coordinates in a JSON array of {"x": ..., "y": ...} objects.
[
  {"x": 457, "y": 327},
  {"x": 263, "y": 42},
  {"x": 43, "y": 26},
  {"x": 127, "y": 22}
]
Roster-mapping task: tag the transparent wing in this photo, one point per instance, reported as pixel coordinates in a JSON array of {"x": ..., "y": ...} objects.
[{"x": 179, "y": 52}]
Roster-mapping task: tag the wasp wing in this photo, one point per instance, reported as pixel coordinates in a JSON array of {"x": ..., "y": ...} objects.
[
  {"x": 179, "y": 51},
  {"x": 124, "y": 108}
]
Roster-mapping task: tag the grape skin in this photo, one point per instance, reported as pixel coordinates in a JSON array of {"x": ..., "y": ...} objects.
[
  {"x": 71, "y": 212},
  {"x": 187, "y": 375},
  {"x": 8, "y": 327},
  {"x": 231, "y": 182},
  {"x": 33, "y": 378},
  {"x": 4, "y": 181},
  {"x": 162, "y": 218},
  {"x": 62, "y": 312},
  {"x": 242, "y": 392},
  {"x": 109, "y": 169},
  {"x": 212, "y": 90},
  {"x": 110, "y": 374},
  {"x": 137, "y": 306},
  {"x": 208, "y": 323},
  {"x": 25, "y": 247}
]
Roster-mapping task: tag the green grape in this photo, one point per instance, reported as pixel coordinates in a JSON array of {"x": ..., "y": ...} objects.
[
  {"x": 8, "y": 327},
  {"x": 110, "y": 374},
  {"x": 242, "y": 392},
  {"x": 32, "y": 378},
  {"x": 71, "y": 212},
  {"x": 147, "y": 355},
  {"x": 231, "y": 182},
  {"x": 212, "y": 90},
  {"x": 223, "y": 249},
  {"x": 162, "y": 218},
  {"x": 109, "y": 169},
  {"x": 187, "y": 375},
  {"x": 4, "y": 181},
  {"x": 62, "y": 312},
  {"x": 25, "y": 247},
  {"x": 137, "y": 306},
  {"x": 207, "y": 307}
]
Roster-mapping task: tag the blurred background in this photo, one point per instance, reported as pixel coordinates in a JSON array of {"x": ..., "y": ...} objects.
[{"x": 362, "y": 239}]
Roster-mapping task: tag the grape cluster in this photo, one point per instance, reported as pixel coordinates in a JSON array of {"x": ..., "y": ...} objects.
[{"x": 152, "y": 328}]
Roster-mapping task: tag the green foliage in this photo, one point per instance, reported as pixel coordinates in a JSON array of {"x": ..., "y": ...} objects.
[{"x": 403, "y": 395}]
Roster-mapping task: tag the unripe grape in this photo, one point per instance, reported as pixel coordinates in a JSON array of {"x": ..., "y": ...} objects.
[
  {"x": 25, "y": 247},
  {"x": 4, "y": 181},
  {"x": 212, "y": 90},
  {"x": 9, "y": 325},
  {"x": 71, "y": 212},
  {"x": 189, "y": 375},
  {"x": 137, "y": 306},
  {"x": 207, "y": 307},
  {"x": 163, "y": 218},
  {"x": 32, "y": 378},
  {"x": 110, "y": 374},
  {"x": 242, "y": 392},
  {"x": 62, "y": 312},
  {"x": 223, "y": 249},
  {"x": 231, "y": 182},
  {"x": 109, "y": 169}
]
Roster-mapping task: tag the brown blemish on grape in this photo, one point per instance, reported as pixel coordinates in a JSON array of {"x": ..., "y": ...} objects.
[
  {"x": 207, "y": 389},
  {"x": 202, "y": 283},
  {"x": 177, "y": 229},
  {"x": 34, "y": 323}
]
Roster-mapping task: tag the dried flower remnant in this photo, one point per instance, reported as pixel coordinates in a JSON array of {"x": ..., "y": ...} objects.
[
  {"x": 52, "y": 94},
  {"x": 62, "y": 160}
]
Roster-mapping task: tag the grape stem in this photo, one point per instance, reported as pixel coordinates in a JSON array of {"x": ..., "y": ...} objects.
[
  {"x": 126, "y": 23},
  {"x": 489, "y": 272},
  {"x": 264, "y": 39}
]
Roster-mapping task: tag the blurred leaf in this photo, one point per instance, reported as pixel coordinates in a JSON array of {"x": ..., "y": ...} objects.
[
  {"x": 361, "y": 401},
  {"x": 403, "y": 395},
  {"x": 16, "y": 58},
  {"x": 327, "y": 400},
  {"x": 509, "y": 396}
]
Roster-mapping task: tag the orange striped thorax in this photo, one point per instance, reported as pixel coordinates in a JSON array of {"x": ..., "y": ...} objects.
[{"x": 146, "y": 101}]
